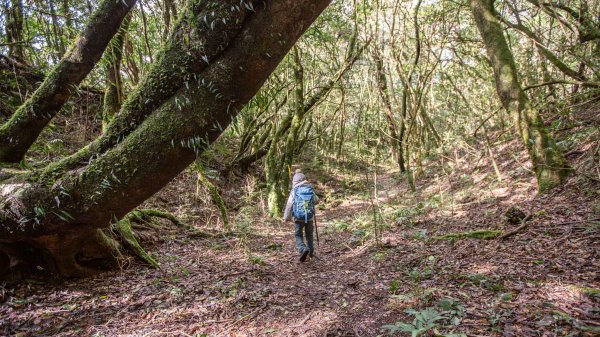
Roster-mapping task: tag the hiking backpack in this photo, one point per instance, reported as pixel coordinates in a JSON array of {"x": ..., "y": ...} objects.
[{"x": 303, "y": 206}]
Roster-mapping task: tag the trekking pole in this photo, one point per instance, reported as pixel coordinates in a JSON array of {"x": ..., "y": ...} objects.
[{"x": 317, "y": 230}]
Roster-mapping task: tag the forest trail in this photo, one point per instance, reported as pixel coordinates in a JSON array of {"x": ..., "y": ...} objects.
[
  {"x": 197, "y": 111},
  {"x": 199, "y": 289},
  {"x": 252, "y": 284}
]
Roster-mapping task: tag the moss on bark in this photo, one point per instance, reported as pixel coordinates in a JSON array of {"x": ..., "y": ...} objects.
[
  {"x": 123, "y": 228},
  {"x": 202, "y": 33},
  {"x": 548, "y": 162},
  {"x": 25, "y": 125},
  {"x": 214, "y": 195},
  {"x": 168, "y": 140},
  {"x": 113, "y": 94}
]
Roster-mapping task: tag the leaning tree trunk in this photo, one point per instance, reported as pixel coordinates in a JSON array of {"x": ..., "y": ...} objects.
[
  {"x": 548, "y": 161},
  {"x": 193, "y": 46},
  {"x": 25, "y": 125},
  {"x": 47, "y": 217}
]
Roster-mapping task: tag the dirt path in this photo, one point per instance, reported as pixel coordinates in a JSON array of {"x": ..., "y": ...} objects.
[
  {"x": 210, "y": 286},
  {"x": 253, "y": 285}
]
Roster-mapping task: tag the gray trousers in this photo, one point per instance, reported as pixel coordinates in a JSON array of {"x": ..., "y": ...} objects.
[{"x": 302, "y": 227}]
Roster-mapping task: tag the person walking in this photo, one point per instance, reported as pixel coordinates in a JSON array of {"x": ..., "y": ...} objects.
[{"x": 301, "y": 207}]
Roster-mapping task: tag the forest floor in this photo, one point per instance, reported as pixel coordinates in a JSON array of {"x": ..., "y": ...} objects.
[{"x": 378, "y": 257}]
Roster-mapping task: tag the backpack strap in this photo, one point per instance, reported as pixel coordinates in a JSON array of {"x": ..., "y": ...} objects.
[{"x": 294, "y": 191}]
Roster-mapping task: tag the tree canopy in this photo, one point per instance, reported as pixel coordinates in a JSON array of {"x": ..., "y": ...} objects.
[{"x": 105, "y": 103}]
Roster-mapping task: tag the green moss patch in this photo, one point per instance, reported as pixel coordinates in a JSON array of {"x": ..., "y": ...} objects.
[{"x": 478, "y": 234}]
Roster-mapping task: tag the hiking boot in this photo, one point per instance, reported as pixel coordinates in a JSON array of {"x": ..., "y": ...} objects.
[
  {"x": 311, "y": 254},
  {"x": 304, "y": 255}
]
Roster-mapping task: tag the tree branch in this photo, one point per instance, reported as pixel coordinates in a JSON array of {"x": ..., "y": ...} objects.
[{"x": 25, "y": 125}]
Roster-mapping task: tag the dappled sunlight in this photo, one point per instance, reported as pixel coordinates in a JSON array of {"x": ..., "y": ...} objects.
[
  {"x": 565, "y": 296},
  {"x": 483, "y": 268},
  {"x": 501, "y": 192},
  {"x": 447, "y": 152},
  {"x": 299, "y": 322}
]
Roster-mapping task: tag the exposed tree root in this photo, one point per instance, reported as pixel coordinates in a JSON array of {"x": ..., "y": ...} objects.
[
  {"x": 72, "y": 254},
  {"x": 83, "y": 252},
  {"x": 124, "y": 229},
  {"x": 214, "y": 195},
  {"x": 10, "y": 170},
  {"x": 143, "y": 215}
]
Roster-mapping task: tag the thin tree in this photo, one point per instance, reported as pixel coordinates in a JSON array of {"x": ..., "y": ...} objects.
[{"x": 548, "y": 161}]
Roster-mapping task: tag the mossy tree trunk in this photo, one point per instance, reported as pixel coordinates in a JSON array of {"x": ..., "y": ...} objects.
[
  {"x": 14, "y": 30},
  {"x": 171, "y": 136},
  {"x": 280, "y": 158},
  {"x": 25, "y": 125},
  {"x": 284, "y": 148},
  {"x": 65, "y": 11},
  {"x": 406, "y": 145},
  {"x": 395, "y": 129},
  {"x": 275, "y": 174},
  {"x": 194, "y": 45},
  {"x": 548, "y": 161},
  {"x": 56, "y": 30},
  {"x": 169, "y": 11},
  {"x": 285, "y": 144},
  {"x": 113, "y": 94}
]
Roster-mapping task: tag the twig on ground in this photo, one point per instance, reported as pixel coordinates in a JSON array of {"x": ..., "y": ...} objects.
[
  {"x": 523, "y": 225},
  {"x": 246, "y": 317},
  {"x": 303, "y": 321},
  {"x": 238, "y": 273}
]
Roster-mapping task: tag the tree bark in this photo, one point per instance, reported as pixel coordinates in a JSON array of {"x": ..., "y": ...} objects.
[
  {"x": 382, "y": 88},
  {"x": 133, "y": 69},
  {"x": 57, "y": 31},
  {"x": 279, "y": 159},
  {"x": 169, "y": 11},
  {"x": 113, "y": 94},
  {"x": 25, "y": 125},
  {"x": 548, "y": 161},
  {"x": 194, "y": 45},
  {"x": 65, "y": 11},
  {"x": 14, "y": 30},
  {"x": 168, "y": 140}
]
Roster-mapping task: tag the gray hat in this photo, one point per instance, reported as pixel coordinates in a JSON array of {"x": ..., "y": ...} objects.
[{"x": 298, "y": 177}]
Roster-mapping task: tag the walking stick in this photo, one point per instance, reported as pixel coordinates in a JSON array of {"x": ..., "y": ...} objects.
[{"x": 316, "y": 229}]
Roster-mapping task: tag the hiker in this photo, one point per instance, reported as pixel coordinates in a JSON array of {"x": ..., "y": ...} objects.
[{"x": 301, "y": 206}]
